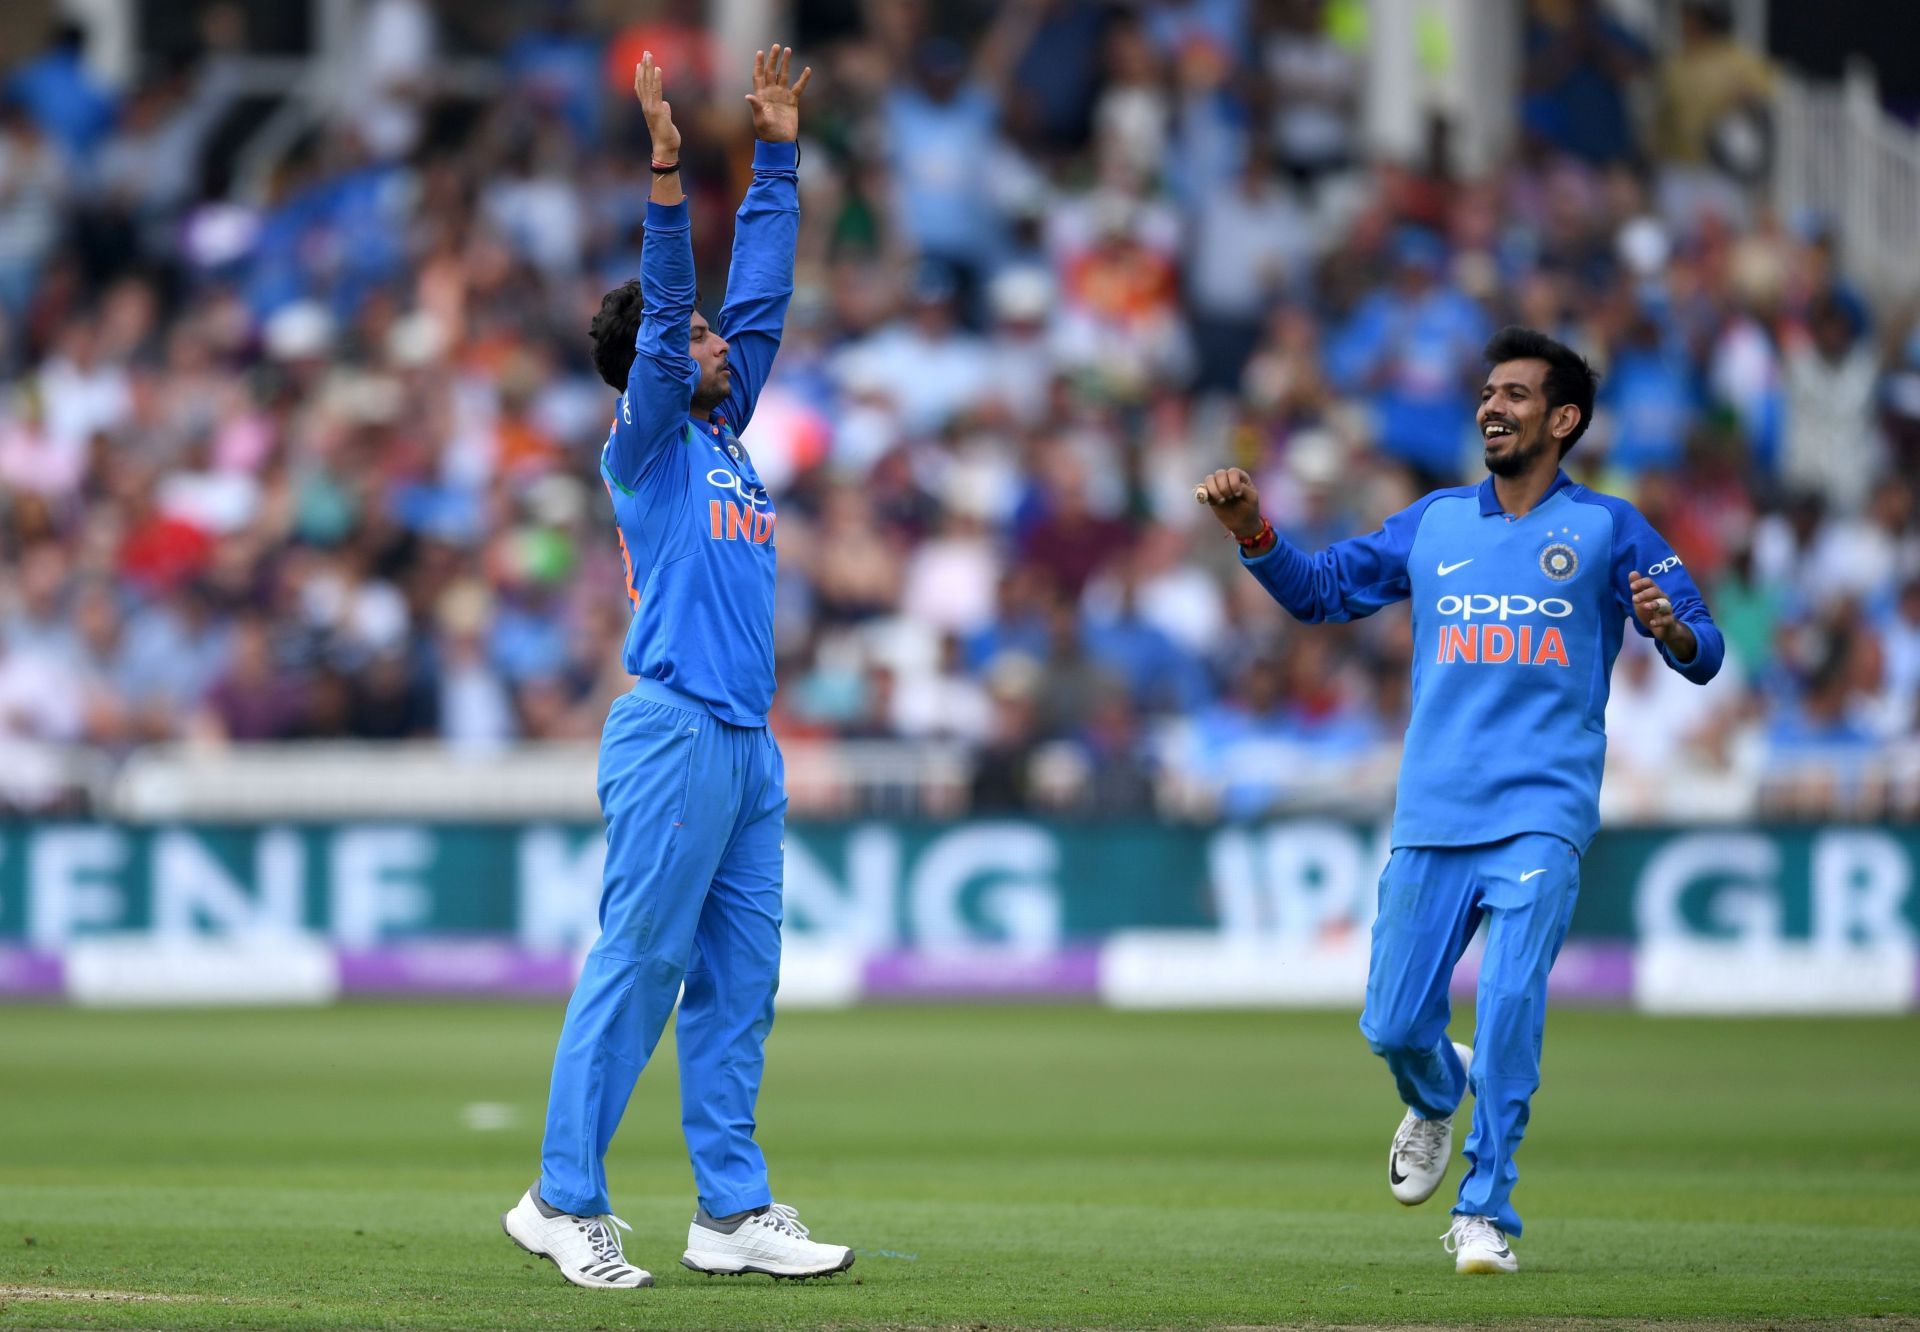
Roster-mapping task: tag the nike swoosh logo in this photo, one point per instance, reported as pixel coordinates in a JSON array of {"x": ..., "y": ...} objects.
[
  {"x": 1446, "y": 569},
  {"x": 1530, "y": 874},
  {"x": 1393, "y": 1174}
]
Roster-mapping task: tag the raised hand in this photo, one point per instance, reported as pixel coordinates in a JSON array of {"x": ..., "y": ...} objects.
[
  {"x": 776, "y": 106},
  {"x": 1230, "y": 493},
  {"x": 659, "y": 114}
]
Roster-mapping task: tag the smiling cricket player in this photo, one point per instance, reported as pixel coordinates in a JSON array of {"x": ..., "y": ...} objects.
[{"x": 1521, "y": 588}]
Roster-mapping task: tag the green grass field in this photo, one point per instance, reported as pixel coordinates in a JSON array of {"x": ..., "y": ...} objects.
[{"x": 1000, "y": 1168}]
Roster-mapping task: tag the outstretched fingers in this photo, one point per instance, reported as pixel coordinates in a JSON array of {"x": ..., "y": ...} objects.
[
  {"x": 646, "y": 82},
  {"x": 772, "y": 71}
]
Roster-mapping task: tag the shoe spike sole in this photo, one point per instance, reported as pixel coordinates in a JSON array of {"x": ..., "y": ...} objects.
[{"x": 777, "y": 1276}]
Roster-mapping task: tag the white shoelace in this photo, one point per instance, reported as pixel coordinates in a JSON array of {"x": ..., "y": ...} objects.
[
  {"x": 1472, "y": 1230},
  {"x": 1421, "y": 1146},
  {"x": 601, "y": 1237},
  {"x": 784, "y": 1219}
]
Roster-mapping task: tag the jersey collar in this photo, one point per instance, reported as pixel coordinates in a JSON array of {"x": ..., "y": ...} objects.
[
  {"x": 1490, "y": 502},
  {"x": 719, "y": 433}
]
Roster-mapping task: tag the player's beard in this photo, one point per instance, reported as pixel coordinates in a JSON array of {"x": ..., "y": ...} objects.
[
  {"x": 1520, "y": 456},
  {"x": 711, "y": 393}
]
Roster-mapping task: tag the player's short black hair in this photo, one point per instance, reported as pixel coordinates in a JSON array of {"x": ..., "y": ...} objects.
[
  {"x": 613, "y": 331},
  {"x": 1570, "y": 380}
]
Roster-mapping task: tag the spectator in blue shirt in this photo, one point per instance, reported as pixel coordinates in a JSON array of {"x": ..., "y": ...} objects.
[
  {"x": 63, "y": 98},
  {"x": 1019, "y": 624},
  {"x": 1578, "y": 70},
  {"x": 556, "y": 63},
  {"x": 1819, "y": 750},
  {"x": 1158, "y": 674},
  {"x": 1410, "y": 349},
  {"x": 1057, "y": 77},
  {"x": 943, "y": 134},
  {"x": 1650, "y": 400}
]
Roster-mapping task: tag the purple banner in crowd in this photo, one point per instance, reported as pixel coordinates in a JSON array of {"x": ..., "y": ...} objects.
[
  {"x": 1600, "y": 972},
  {"x": 25, "y": 974},
  {"x": 487, "y": 967},
  {"x": 467, "y": 967},
  {"x": 1071, "y": 973}
]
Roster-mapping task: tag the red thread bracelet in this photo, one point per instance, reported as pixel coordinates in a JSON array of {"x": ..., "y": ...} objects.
[{"x": 1259, "y": 538}]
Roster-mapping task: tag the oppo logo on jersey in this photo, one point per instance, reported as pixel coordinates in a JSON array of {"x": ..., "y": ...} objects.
[
  {"x": 726, "y": 480},
  {"x": 1481, "y": 604},
  {"x": 1493, "y": 644}
]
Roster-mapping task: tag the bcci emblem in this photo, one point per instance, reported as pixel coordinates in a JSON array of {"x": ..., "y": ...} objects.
[{"x": 1558, "y": 562}]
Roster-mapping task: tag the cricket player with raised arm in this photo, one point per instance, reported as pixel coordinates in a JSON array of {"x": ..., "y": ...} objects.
[
  {"x": 691, "y": 782},
  {"x": 1521, "y": 588}
]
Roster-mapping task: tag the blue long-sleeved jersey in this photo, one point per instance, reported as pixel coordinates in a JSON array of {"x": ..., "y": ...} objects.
[
  {"x": 696, "y": 525},
  {"x": 1516, "y": 622}
]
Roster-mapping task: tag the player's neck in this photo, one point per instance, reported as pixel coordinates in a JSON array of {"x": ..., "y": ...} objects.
[{"x": 1519, "y": 494}]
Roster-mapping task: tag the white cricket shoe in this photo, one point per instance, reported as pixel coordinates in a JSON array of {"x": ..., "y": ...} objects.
[
  {"x": 1422, "y": 1150},
  {"x": 771, "y": 1241},
  {"x": 586, "y": 1249},
  {"x": 1479, "y": 1246}
]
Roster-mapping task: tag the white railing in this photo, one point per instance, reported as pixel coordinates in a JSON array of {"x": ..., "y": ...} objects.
[
  {"x": 424, "y": 780},
  {"x": 1838, "y": 154},
  {"x": 416, "y": 780}
]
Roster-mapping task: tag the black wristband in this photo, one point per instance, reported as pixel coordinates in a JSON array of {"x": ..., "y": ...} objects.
[{"x": 667, "y": 169}]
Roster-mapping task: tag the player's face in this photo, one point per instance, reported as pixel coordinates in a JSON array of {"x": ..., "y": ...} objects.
[
  {"x": 709, "y": 350},
  {"x": 1513, "y": 417}
]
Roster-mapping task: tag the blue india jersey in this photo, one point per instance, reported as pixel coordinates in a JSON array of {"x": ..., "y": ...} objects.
[
  {"x": 697, "y": 528},
  {"x": 1516, "y": 623}
]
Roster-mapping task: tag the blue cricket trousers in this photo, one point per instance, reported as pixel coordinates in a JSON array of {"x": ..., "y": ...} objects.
[
  {"x": 696, "y": 811},
  {"x": 1431, "y": 901}
]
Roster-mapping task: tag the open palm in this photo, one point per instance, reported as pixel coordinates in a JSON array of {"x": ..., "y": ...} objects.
[
  {"x": 776, "y": 105},
  {"x": 647, "y": 87}
]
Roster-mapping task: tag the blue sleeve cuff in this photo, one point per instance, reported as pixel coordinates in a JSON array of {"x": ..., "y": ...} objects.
[
  {"x": 776, "y": 156},
  {"x": 1690, "y": 662},
  {"x": 667, "y": 217}
]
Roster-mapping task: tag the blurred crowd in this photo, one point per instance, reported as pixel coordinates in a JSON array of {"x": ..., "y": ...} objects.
[{"x": 317, "y": 460}]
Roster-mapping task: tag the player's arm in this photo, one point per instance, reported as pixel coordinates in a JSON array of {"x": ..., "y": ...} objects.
[
  {"x": 1658, "y": 594},
  {"x": 765, "y": 231},
  {"x": 1348, "y": 580},
  {"x": 660, "y": 384}
]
